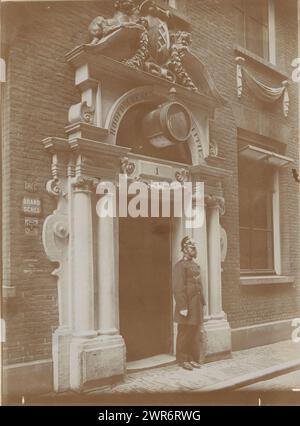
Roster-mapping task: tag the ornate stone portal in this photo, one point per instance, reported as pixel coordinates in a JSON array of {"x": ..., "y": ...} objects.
[{"x": 130, "y": 65}]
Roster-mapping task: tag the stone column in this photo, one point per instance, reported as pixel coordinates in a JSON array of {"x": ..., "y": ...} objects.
[
  {"x": 215, "y": 205},
  {"x": 106, "y": 279},
  {"x": 82, "y": 260},
  {"x": 83, "y": 348},
  {"x": 93, "y": 357}
]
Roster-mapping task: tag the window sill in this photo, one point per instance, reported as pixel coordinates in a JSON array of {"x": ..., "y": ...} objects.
[
  {"x": 262, "y": 62},
  {"x": 266, "y": 280},
  {"x": 8, "y": 292}
]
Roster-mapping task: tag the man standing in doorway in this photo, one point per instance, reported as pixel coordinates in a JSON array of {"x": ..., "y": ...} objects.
[{"x": 189, "y": 298}]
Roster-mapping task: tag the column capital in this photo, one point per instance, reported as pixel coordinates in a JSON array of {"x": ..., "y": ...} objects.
[
  {"x": 84, "y": 183},
  {"x": 214, "y": 201}
]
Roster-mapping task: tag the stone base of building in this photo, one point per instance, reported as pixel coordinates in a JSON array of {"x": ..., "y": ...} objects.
[
  {"x": 218, "y": 339},
  {"x": 61, "y": 340},
  {"x": 261, "y": 334},
  {"x": 103, "y": 358},
  {"x": 92, "y": 360},
  {"x": 28, "y": 378}
]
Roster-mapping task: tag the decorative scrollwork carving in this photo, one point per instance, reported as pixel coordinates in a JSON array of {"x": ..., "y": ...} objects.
[
  {"x": 61, "y": 230},
  {"x": 127, "y": 167},
  {"x": 142, "y": 54},
  {"x": 213, "y": 149},
  {"x": 55, "y": 188},
  {"x": 181, "y": 42},
  {"x": 159, "y": 71},
  {"x": 182, "y": 175}
]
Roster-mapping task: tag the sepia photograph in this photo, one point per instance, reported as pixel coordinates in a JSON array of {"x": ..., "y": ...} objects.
[{"x": 150, "y": 205}]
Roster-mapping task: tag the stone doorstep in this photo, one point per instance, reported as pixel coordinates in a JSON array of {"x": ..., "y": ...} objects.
[
  {"x": 162, "y": 360},
  {"x": 251, "y": 378}
]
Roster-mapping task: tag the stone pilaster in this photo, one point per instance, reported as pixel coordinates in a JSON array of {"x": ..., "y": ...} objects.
[
  {"x": 215, "y": 206},
  {"x": 56, "y": 241},
  {"x": 217, "y": 327}
]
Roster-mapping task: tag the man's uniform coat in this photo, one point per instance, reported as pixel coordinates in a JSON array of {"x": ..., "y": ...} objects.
[{"x": 188, "y": 292}]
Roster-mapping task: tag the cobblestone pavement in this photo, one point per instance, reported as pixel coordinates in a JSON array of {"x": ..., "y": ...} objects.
[{"x": 174, "y": 379}]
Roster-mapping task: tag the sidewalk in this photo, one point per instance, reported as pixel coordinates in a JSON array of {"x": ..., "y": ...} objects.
[{"x": 243, "y": 369}]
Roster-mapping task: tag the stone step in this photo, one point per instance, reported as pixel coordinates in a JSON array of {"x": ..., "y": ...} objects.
[{"x": 152, "y": 362}]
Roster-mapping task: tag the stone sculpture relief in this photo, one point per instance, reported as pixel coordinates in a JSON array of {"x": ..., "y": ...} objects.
[
  {"x": 262, "y": 91},
  {"x": 159, "y": 50}
]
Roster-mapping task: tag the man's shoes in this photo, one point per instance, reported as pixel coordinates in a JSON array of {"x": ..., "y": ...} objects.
[
  {"x": 195, "y": 364},
  {"x": 186, "y": 366}
]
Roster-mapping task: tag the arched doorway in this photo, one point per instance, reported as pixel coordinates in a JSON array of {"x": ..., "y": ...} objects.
[{"x": 145, "y": 244}]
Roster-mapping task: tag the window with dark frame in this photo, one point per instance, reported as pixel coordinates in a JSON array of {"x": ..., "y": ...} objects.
[
  {"x": 256, "y": 218},
  {"x": 253, "y": 26}
]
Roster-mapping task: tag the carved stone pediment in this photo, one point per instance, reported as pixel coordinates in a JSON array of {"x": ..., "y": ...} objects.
[{"x": 146, "y": 37}]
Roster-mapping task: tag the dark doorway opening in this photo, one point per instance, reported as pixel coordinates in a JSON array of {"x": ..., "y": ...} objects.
[{"x": 145, "y": 292}]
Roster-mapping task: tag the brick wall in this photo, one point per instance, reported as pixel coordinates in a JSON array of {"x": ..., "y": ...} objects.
[
  {"x": 214, "y": 40},
  {"x": 40, "y": 90}
]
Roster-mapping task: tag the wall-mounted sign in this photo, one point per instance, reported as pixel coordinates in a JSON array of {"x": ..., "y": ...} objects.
[
  {"x": 31, "y": 226},
  {"x": 32, "y": 206},
  {"x": 155, "y": 170},
  {"x": 31, "y": 186}
]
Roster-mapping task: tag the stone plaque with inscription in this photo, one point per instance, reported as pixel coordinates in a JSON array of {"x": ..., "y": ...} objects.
[{"x": 32, "y": 206}]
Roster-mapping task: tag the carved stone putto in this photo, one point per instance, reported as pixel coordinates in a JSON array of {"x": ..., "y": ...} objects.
[
  {"x": 126, "y": 15},
  {"x": 81, "y": 112}
]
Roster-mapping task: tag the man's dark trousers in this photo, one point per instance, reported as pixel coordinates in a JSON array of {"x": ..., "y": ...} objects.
[{"x": 188, "y": 344}]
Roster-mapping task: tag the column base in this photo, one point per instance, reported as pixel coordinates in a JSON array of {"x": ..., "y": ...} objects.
[
  {"x": 93, "y": 360},
  {"x": 61, "y": 340},
  {"x": 218, "y": 339}
]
